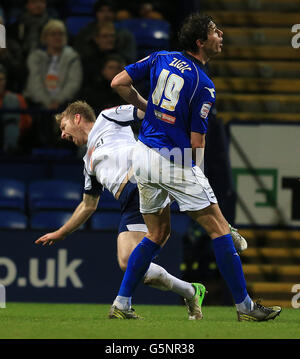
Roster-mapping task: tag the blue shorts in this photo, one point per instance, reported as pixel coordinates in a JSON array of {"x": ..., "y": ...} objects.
[{"x": 131, "y": 218}]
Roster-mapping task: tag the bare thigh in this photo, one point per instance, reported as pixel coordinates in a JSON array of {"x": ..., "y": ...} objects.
[
  {"x": 127, "y": 241},
  {"x": 212, "y": 220}
]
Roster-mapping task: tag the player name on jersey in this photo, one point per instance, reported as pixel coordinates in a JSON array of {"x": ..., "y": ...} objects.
[{"x": 180, "y": 65}]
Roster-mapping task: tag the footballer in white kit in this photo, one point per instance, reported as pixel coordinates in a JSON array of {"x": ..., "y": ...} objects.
[{"x": 108, "y": 163}]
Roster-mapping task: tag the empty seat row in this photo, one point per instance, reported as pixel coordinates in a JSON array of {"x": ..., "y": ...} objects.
[
  {"x": 246, "y": 5},
  {"x": 48, "y": 204},
  {"x": 102, "y": 221},
  {"x": 52, "y": 220},
  {"x": 46, "y": 195},
  {"x": 255, "y": 18},
  {"x": 253, "y": 68}
]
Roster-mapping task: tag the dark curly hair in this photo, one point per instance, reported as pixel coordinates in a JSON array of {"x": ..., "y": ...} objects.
[{"x": 194, "y": 27}]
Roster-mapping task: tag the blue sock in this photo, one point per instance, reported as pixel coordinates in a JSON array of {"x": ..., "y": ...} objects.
[
  {"x": 138, "y": 264},
  {"x": 230, "y": 266}
]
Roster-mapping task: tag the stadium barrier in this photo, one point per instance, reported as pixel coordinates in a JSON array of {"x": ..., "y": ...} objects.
[{"x": 81, "y": 269}]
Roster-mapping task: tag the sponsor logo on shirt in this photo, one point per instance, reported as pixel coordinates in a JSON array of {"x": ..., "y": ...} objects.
[
  {"x": 164, "y": 117},
  {"x": 205, "y": 109}
]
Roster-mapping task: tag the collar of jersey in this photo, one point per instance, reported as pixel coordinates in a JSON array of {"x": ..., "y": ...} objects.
[{"x": 199, "y": 63}]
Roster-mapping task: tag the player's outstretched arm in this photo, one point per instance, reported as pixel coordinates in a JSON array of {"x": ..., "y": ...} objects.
[{"x": 81, "y": 214}]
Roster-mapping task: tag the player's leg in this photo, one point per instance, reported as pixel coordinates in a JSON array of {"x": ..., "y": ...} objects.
[
  {"x": 229, "y": 264},
  {"x": 195, "y": 196},
  {"x": 156, "y": 276},
  {"x": 228, "y": 261},
  {"x": 138, "y": 264}
]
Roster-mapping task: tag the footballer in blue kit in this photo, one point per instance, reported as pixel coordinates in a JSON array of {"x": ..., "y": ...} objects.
[
  {"x": 177, "y": 83},
  {"x": 177, "y": 110}
]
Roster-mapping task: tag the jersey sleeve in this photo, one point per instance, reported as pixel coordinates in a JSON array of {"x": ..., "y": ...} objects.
[
  {"x": 140, "y": 69},
  {"x": 91, "y": 185},
  {"x": 202, "y": 103},
  {"x": 123, "y": 115}
]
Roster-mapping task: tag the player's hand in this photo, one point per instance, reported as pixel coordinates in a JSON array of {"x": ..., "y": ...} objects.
[{"x": 50, "y": 238}]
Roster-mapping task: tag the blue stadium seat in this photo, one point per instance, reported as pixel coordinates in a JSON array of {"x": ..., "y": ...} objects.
[
  {"x": 108, "y": 202},
  {"x": 75, "y": 23},
  {"x": 12, "y": 194},
  {"x": 81, "y": 7},
  {"x": 24, "y": 170},
  {"x": 13, "y": 219},
  {"x": 49, "y": 219},
  {"x": 52, "y": 153},
  {"x": 150, "y": 34},
  {"x": 106, "y": 221},
  {"x": 54, "y": 194},
  {"x": 67, "y": 171}
]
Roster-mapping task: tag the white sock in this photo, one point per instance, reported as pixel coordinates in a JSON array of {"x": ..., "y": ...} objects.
[
  {"x": 157, "y": 277},
  {"x": 246, "y": 305},
  {"x": 123, "y": 303}
]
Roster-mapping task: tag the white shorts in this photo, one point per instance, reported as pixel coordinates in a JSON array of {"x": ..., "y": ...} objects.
[{"x": 159, "y": 179}]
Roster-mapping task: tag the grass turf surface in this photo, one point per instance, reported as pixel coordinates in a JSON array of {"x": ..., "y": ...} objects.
[{"x": 89, "y": 321}]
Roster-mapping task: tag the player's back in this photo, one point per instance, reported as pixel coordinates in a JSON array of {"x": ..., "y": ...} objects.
[
  {"x": 181, "y": 95},
  {"x": 110, "y": 146}
]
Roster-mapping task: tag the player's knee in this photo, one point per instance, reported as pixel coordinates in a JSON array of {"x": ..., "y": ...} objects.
[
  {"x": 161, "y": 234},
  {"x": 123, "y": 263}
]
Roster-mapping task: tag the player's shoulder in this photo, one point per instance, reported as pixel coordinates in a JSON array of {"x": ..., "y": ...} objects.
[
  {"x": 116, "y": 111},
  {"x": 120, "y": 114},
  {"x": 165, "y": 54},
  {"x": 206, "y": 81}
]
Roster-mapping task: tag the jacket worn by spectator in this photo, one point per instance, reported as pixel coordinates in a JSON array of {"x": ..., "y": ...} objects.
[{"x": 42, "y": 87}]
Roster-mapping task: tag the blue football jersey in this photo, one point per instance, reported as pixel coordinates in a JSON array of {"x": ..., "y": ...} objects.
[{"x": 180, "y": 99}]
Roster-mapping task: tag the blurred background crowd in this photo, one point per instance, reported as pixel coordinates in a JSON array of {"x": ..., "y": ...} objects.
[{"x": 60, "y": 51}]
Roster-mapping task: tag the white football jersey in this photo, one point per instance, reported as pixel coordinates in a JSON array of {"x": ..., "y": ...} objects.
[{"x": 109, "y": 149}]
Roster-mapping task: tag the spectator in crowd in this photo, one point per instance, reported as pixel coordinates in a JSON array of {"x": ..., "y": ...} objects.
[
  {"x": 55, "y": 77},
  {"x": 105, "y": 13},
  {"x": 55, "y": 73},
  {"x": 102, "y": 44},
  {"x": 2, "y": 21},
  {"x": 13, "y": 125},
  {"x": 99, "y": 94},
  {"x": 28, "y": 27},
  {"x": 149, "y": 10},
  {"x": 12, "y": 59}
]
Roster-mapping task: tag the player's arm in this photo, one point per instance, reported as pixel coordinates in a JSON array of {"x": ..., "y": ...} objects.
[
  {"x": 198, "y": 145},
  {"x": 140, "y": 114},
  {"x": 122, "y": 83},
  {"x": 81, "y": 214}
]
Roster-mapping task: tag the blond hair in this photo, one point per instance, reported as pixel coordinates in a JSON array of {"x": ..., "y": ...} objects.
[
  {"x": 78, "y": 107},
  {"x": 53, "y": 25}
]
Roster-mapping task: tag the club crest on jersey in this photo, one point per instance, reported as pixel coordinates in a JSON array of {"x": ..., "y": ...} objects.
[{"x": 205, "y": 109}]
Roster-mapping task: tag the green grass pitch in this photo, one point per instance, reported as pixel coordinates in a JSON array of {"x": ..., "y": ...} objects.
[{"x": 89, "y": 321}]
